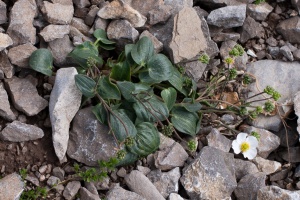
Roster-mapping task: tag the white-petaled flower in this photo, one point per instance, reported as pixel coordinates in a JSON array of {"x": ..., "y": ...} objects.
[{"x": 246, "y": 144}]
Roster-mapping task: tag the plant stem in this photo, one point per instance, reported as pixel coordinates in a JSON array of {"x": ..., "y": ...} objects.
[{"x": 259, "y": 100}]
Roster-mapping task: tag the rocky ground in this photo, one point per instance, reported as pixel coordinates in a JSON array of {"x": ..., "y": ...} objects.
[{"x": 35, "y": 110}]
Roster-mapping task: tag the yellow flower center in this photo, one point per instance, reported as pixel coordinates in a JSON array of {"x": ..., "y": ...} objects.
[{"x": 245, "y": 146}]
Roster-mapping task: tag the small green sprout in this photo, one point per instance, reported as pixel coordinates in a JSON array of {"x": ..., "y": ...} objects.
[
  {"x": 256, "y": 134},
  {"x": 167, "y": 130},
  {"x": 188, "y": 82},
  {"x": 121, "y": 154},
  {"x": 232, "y": 74},
  {"x": 259, "y": 1},
  {"x": 23, "y": 173},
  {"x": 238, "y": 50},
  {"x": 204, "y": 58},
  {"x": 91, "y": 62},
  {"x": 192, "y": 145},
  {"x": 246, "y": 79},
  {"x": 229, "y": 60},
  {"x": 269, "y": 106},
  {"x": 253, "y": 114},
  {"x": 243, "y": 111},
  {"x": 181, "y": 69},
  {"x": 269, "y": 90},
  {"x": 276, "y": 95},
  {"x": 259, "y": 109},
  {"x": 129, "y": 141}
]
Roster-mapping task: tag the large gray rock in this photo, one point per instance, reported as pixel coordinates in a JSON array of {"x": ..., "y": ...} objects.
[
  {"x": 118, "y": 193},
  {"x": 5, "y": 41},
  {"x": 64, "y": 103},
  {"x": 260, "y": 11},
  {"x": 244, "y": 167},
  {"x": 21, "y": 28},
  {"x": 251, "y": 29},
  {"x": 276, "y": 193},
  {"x": 20, "y": 132},
  {"x": 19, "y": 55},
  {"x": 210, "y": 175},
  {"x": 290, "y": 29},
  {"x": 24, "y": 95},
  {"x": 52, "y": 32},
  {"x": 187, "y": 34},
  {"x": 57, "y": 13},
  {"x": 89, "y": 139},
  {"x": 227, "y": 17},
  {"x": 140, "y": 184},
  {"x": 5, "y": 65},
  {"x": 282, "y": 76},
  {"x": 11, "y": 187},
  {"x": 5, "y": 110},
  {"x": 3, "y": 14},
  {"x": 217, "y": 140}
]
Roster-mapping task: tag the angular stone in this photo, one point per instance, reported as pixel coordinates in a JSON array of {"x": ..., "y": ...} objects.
[
  {"x": 5, "y": 65},
  {"x": 221, "y": 37},
  {"x": 89, "y": 140},
  {"x": 121, "y": 10},
  {"x": 280, "y": 175},
  {"x": 80, "y": 25},
  {"x": 260, "y": 11},
  {"x": 24, "y": 96},
  {"x": 266, "y": 166},
  {"x": 3, "y": 16},
  {"x": 217, "y": 140},
  {"x": 251, "y": 29},
  {"x": 292, "y": 155},
  {"x": 5, "y": 110},
  {"x": 174, "y": 196},
  {"x": 87, "y": 195},
  {"x": 286, "y": 52},
  {"x": 178, "y": 5},
  {"x": 100, "y": 23},
  {"x": 195, "y": 69},
  {"x": 243, "y": 167},
  {"x": 21, "y": 28},
  {"x": 52, "y": 32},
  {"x": 290, "y": 29},
  {"x": 82, "y": 3},
  {"x": 71, "y": 190},
  {"x": 140, "y": 184},
  {"x": 57, "y": 13},
  {"x": 249, "y": 185},
  {"x": 227, "y": 17},
  {"x": 210, "y": 175},
  {"x": 58, "y": 172},
  {"x": 274, "y": 192},
  {"x": 52, "y": 181},
  {"x": 297, "y": 109},
  {"x": 19, "y": 55},
  {"x": 160, "y": 14},
  {"x": 33, "y": 179},
  {"x": 90, "y": 17},
  {"x": 64, "y": 103},
  {"x": 118, "y": 193},
  {"x": 158, "y": 46},
  {"x": 296, "y": 4},
  {"x": 187, "y": 34},
  {"x": 11, "y": 187},
  {"x": 145, "y": 6},
  {"x": 5, "y": 40}
]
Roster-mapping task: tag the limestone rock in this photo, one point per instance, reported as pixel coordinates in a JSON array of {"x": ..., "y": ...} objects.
[
  {"x": 11, "y": 187},
  {"x": 227, "y": 17},
  {"x": 140, "y": 184},
  {"x": 289, "y": 28},
  {"x": 158, "y": 46},
  {"x": 52, "y": 32},
  {"x": 144, "y": 7},
  {"x": 57, "y": 13},
  {"x": 178, "y": 5},
  {"x": 217, "y": 140},
  {"x": 24, "y": 96},
  {"x": 260, "y": 11},
  {"x": 118, "y": 9},
  {"x": 251, "y": 29},
  {"x": 3, "y": 15},
  {"x": 244, "y": 167},
  {"x": 160, "y": 14},
  {"x": 118, "y": 193},
  {"x": 64, "y": 103},
  {"x": 71, "y": 190},
  {"x": 187, "y": 34},
  {"x": 5, "y": 65},
  {"x": 21, "y": 28},
  {"x": 5, "y": 40},
  {"x": 5, "y": 110},
  {"x": 210, "y": 175},
  {"x": 19, "y": 55},
  {"x": 85, "y": 194},
  {"x": 80, "y": 25},
  {"x": 274, "y": 192},
  {"x": 90, "y": 17},
  {"x": 195, "y": 69},
  {"x": 266, "y": 166},
  {"x": 89, "y": 139}
]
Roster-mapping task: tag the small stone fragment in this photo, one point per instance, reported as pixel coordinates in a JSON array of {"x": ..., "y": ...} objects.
[
  {"x": 286, "y": 52},
  {"x": 266, "y": 166},
  {"x": 5, "y": 65},
  {"x": 58, "y": 172},
  {"x": 87, "y": 195},
  {"x": 251, "y": 29},
  {"x": 80, "y": 25},
  {"x": 244, "y": 167},
  {"x": 90, "y": 17},
  {"x": 160, "y": 14},
  {"x": 217, "y": 140},
  {"x": 19, "y": 55},
  {"x": 53, "y": 181},
  {"x": 3, "y": 14},
  {"x": 5, "y": 40},
  {"x": 274, "y": 192},
  {"x": 260, "y": 11},
  {"x": 71, "y": 190},
  {"x": 5, "y": 110},
  {"x": 56, "y": 13},
  {"x": 289, "y": 28},
  {"x": 11, "y": 187},
  {"x": 195, "y": 69},
  {"x": 118, "y": 193},
  {"x": 52, "y": 32}
]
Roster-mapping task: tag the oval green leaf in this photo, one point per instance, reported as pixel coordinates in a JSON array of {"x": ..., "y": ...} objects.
[
  {"x": 126, "y": 89},
  {"x": 169, "y": 96},
  {"x": 121, "y": 71},
  {"x": 142, "y": 51},
  {"x": 108, "y": 90},
  {"x": 100, "y": 113},
  {"x": 41, "y": 61},
  {"x": 160, "y": 67},
  {"x": 86, "y": 85}
]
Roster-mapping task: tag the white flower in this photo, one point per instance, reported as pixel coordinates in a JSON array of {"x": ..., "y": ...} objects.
[{"x": 245, "y": 144}]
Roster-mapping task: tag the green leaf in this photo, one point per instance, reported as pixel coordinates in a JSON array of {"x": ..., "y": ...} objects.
[
  {"x": 101, "y": 35},
  {"x": 121, "y": 71},
  {"x": 119, "y": 120},
  {"x": 147, "y": 139},
  {"x": 100, "y": 113},
  {"x": 86, "y": 85},
  {"x": 169, "y": 96},
  {"x": 130, "y": 158},
  {"x": 41, "y": 60},
  {"x": 145, "y": 78},
  {"x": 191, "y": 106},
  {"x": 126, "y": 89},
  {"x": 160, "y": 67},
  {"x": 142, "y": 51},
  {"x": 108, "y": 90},
  {"x": 184, "y": 121},
  {"x": 107, "y": 47},
  {"x": 176, "y": 81}
]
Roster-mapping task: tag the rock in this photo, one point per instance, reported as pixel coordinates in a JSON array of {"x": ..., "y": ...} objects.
[
  {"x": 296, "y": 54},
  {"x": 274, "y": 51},
  {"x": 5, "y": 65},
  {"x": 260, "y": 11},
  {"x": 80, "y": 25},
  {"x": 5, "y": 41},
  {"x": 222, "y": 3},
  {"x": 221, "y": 37},
  {"x": 11, "y": 187},
  {"x": 144, "y": 7},
  {"x": 251, "y": 29},
  {"x": 90, "y": 17},
  {"x": 32, "y": 179},
  {"x": 57, "y": 13},
  {"x": 140, "y": 184},
  {"x": 268, "y": 141},
  {"x": 58, "y": 172},
  {"x": 174, "y": 196},
  {"x": 121, "y": 10},
  {"x": 100, "y": 23},
  {"x": 289, "y": 28},
  {"x": 280, "y": 175},
  {"x": 53, "y": 181},
  {"x": 227, "y": 17},
  {"x": 272, "y": 41},
  {"x": 170, "y": 157},
  {"x": 86, "y": 195},
  {"x": 243, "y": 168},
  {"x": 122, "y": 33},
  {"x": 289, "y": 136},
  {"x": 297, "y": 171},
  {"x": 274, "y": 192},
  {"x": 158, "y": 46},
  {"x": 43, "y": 169},
  {"x": 71, "y": 190},
  {"x": 89, "y": 139},
  {"x": 195, "y": 69},
  {"x": 122, "y": 172},
  {"x": 296, "y": 4},
  {"x": 165, "y": 182},
  {"x": 103, "y": 184},
  {"x": 178, "y": 5},
  {"x": 144, "y": 170},
  {"x": 297, "y": 109},
  {"x": 24, "y": 96},
  {"x": 266, "y": 166},
  {"x": 19, "y": 55},
  {"x": 210, "y": 175},
  {"x": 249, "y": 185},
  {"x": 118, "y": 193},
  {"x": 217, "y": 140},
  {"x": 279, "y": 75},
  {"x": 52, "y": 32},
  {"x": 64, "y": 103},
  {"x": 293, "y": 155},
  {"x": 91, "y": 187},
  {"x": 60, "y": 49},
  {"x": 187, "y": 34},
  {"x": 20, "y": 132},
  {"x": 21, "y": 28},
  {"x": 286, "y": 52},
  {"x": 160, "y": 14},
  {"x": 3, "y": 16},
  {"x": 82, "y": 3},
  {"x": 5, "y": 110}
]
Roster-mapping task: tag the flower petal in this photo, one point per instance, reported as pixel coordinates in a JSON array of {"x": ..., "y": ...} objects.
[
  {"x": 250, "y": 154},
  {"x": 236, "y": 147},
  {"x": 241, "y": 137},
  {"x": 252, "y": 141}
]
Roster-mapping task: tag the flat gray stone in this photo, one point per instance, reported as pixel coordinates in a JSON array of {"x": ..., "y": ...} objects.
[
  {"x": 286, "y": 52},
  {"x": 5, "y": 110},
  {"x": 118, "y": 193},
  {"x": 251, "y": 29},
  {"x": 290, "y": 28},
  {"x": 71, "y": 190},
  {"x": 260, "y": 11},
  {"x": 57, "y": 13},
  {"x": 5, "y": 41},
  {"x": 3, "y": 13},
  {"x": 217, "y": 140},
  {"x": 87, "y": 195},
  {"x": 19, "y": 55},
  {"x": 274, "y": 192},
  {"x": 195, "y": 69},
  {"x": 11, "y": 187},
  {"x": 52, "y": 32},
  {"x": 80, "y": 25},
  {"x": 266, "y": 166},
  {"x": 244, "y": 167}
]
